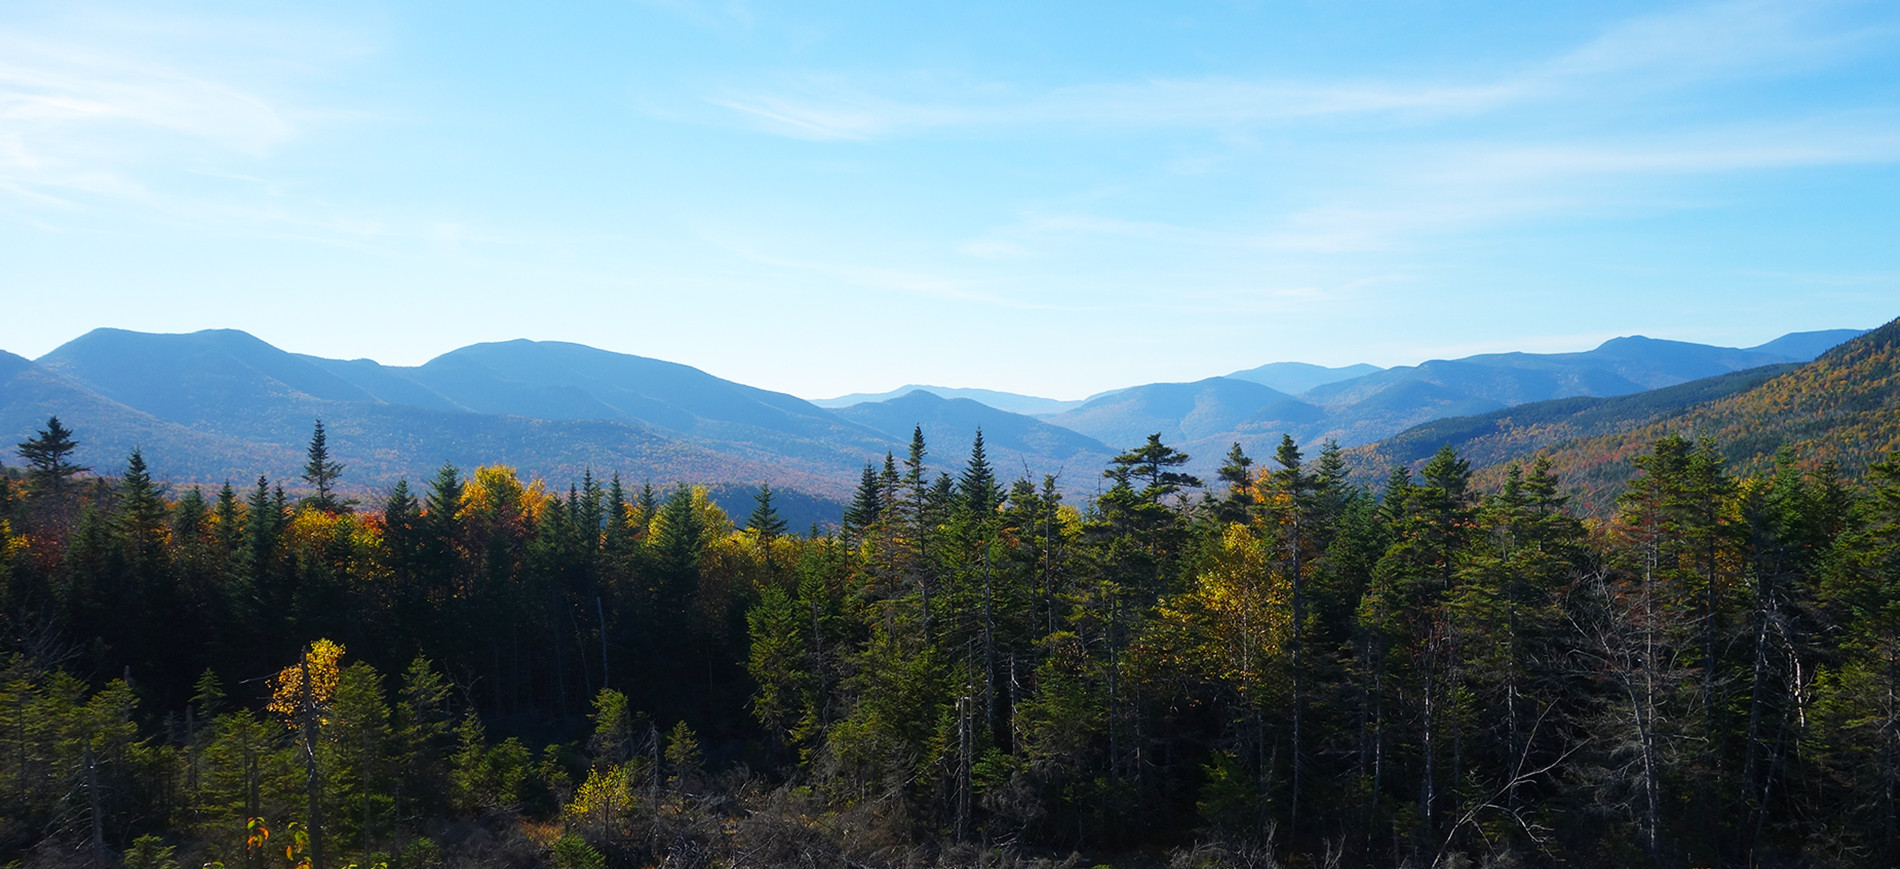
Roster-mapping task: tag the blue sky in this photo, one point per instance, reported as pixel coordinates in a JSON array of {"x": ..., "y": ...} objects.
[{"x": 1045, "y": 198}]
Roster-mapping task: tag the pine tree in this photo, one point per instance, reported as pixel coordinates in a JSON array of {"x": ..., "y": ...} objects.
[
  {"x": 142, "y": 515},
  {"x": 867, "y": 505},
  {"x": 978, "y": 487},
  {"x": 321, "y": 472},
  {"x": 1154, "y": 463},
  {"x": 229, "y": 521},
  {"x": 765, "y": 521},
  {"x": 45, "y": 454},
  {"x": 1237, "y": 473}
]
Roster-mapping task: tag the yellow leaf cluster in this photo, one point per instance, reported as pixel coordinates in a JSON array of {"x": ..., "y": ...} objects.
[
  {"x": 11, "y": 544},
  {"x": 321, "y": 661},
  {"x": 494, "y": 493}
]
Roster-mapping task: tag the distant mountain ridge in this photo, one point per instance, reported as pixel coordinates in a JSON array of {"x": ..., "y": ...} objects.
[
  {"x": 1010, "y": 441},
  {"x": 1297, "y": 377},
  {"x": 1029, "y": 405},
  {"x": 222, "y": 404},
  {"x": 1361, "y": 409},
  {"x": 1843, "y": 407}
]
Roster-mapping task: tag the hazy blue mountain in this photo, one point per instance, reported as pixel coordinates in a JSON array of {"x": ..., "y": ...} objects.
[
  {"x": 557, "y": 380},
  {"x": 1213, "y": 414},
  {"x": 1214, "y": 409},
  {"x": 1839, "y": 408},
  {"x": 1807, "y": 346},
  {"x": 377, "y": 442},
  {"x": 1030, "y": 405},
  {"x": 529, "y": 406},
  {"x": 1616, "y": 367},
  {"x": 1375, "y": 406},
  {"x": 1517, "y": 433},
  {"x": 1294, "y": 378},
  {"x": 222, "y": 404},
  {"x": 1012, "y": 441},
  {"x": 385, "y": 383},
  {"x": 108, "y": 430},
  {"x": 219, "y": 376}
]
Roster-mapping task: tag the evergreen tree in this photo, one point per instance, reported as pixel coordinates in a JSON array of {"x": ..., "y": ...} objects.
[
  {"x": 46, "y": 458},
  {"x": 229, "y": 525},
  {"x": 1153, "y": 464},
  {"x": 1237, "y": 473},
  {"x": 322, "y": 473},
  {"x": 978, "y": 488},
  {"x": 765, "y": 521},
  {"x": 867, "y": 505},
  {"x": 142, "y": 516}
]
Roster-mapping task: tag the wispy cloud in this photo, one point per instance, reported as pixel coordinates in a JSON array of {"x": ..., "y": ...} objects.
[
  {"x": 822, "y": 108},
  {"x": 1707, "y": 42},
  {"x": 176, "y": 122},
  {"x": 97, "y": 108},
  {"x": 46, "y": 91},
  {"x": 1446, "y": 188},
  {"x": 1717, "y": 40}
]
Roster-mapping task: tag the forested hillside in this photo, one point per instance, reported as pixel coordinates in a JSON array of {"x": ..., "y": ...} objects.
[
  {"x": 1843, "y": 408},
  {"x": 1267, "y": 667}
]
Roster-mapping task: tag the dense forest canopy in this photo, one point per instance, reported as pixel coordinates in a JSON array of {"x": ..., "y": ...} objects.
[{"x": 1267, "y": 666}]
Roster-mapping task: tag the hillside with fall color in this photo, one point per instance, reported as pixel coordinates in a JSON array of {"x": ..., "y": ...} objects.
[{"x": 1843, "y": 408}]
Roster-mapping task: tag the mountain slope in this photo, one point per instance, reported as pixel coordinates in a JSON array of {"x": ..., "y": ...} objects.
[
  {"x": 1030, "y": 405},
  {"x": 244, "y": 398},
  {"x": 1616, "y": 367},
  {"x": 1181, "y": 412},
  {"x": 1013, "y": 442},
  {"x": 377, "y": 443},
  {"x": 1294, "y": 378},
  {"x": 107, "y": 430},
  {"x": 224, "y": 378},
  {"x": 1843, "y": 408},
  {"x": 561, "y": 381},
  {"x": 1516, "y": 433},
  {"x": 1806, "y": 346}
]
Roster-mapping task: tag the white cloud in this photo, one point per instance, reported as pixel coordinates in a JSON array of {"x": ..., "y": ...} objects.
[
  {"x": 823, "y": 108},
  {"x": 98, "y": 107},
  {"x": 1741, "y": 37},
  {"x": 1678, "y": 49}
]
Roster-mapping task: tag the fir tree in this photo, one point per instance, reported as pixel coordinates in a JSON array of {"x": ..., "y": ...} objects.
[
  {"x": 322, "y": 473},
  {"x": 765, "y": 520},
  {"x": 868, "y": 504},
  {"x": 978, "y": 487},
  {"x": 46, "y": 453}
]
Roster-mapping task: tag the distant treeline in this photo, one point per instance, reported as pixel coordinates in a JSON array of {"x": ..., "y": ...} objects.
[{"x": 1269, "y": 667}]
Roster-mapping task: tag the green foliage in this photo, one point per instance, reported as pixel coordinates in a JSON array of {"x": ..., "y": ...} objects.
[
  {"x": 573, "y": 852},
  {"x": 46, "y": 459},
  {"x": 150, "y": 852},
  {"x": 488, "y": 777},
  {"x": 1457, "y": 671}
]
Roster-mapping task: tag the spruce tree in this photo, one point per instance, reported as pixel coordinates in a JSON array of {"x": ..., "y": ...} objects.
[
  {"x": 142, "y": 515},
  {"x": 867, "y": 504},
  {"x": 765, "y": 520},
  {"x": 1237, "y": 473},
  {"x": 322, "y": 473},
  {"x": 978, "y": 487},
  {"x": 46, "y": 458}
]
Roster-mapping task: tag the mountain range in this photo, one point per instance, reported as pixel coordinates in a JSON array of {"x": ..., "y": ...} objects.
[
  {"x": 1842, "y": 409},
  {"x": 219, "y": 405}
]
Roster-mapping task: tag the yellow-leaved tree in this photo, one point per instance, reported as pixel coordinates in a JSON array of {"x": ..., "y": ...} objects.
[
  {"x": 320, "y": 668},
  {"x": 301, "y": 695}
]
